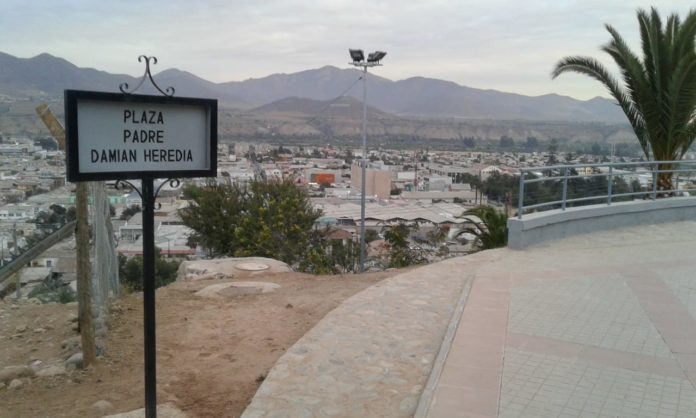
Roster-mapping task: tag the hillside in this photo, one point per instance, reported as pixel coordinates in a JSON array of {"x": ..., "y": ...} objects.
[
  {"x": 344, "y": 107},
  {"x": 201, "y": 370},
  {"x": 305, "y": 106},
  {"x": 46, "y": 76}
]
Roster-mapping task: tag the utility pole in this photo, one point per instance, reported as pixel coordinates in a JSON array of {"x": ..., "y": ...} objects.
[
  {"x": 84, "y": 279},
  {"x": 19, "y": 281}
]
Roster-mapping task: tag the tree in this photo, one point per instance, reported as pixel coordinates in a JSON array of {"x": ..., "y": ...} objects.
[
  {"x": 531, "y": 143},
  {"x": 553, "y": 148},
  {"x": 59, "y": 210},
  {"x": 129, "y": 212},
  {"x": 490, "y": 228},
  {"x": 597, "y": 149},
  {"x": 499, "y": 186},
  {"x": 349, "y": 156},
  {"x": 131, "y": 271},
  {"x": 271, "y": 218},
  {"x": 469, "y": 142},
  {"x": 371, "y": 235},
  {"x": 326, "y": 256},
  {"x": 71, "y": 214},
  {"x": 436, "y": 237},
  {"x": 658, "y": 95},
  {"x": 400, "y": 253},
  {"x": 506, "y": 142}
]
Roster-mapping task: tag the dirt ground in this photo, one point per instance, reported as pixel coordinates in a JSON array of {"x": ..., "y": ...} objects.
[{"x": 212, "y": 354}]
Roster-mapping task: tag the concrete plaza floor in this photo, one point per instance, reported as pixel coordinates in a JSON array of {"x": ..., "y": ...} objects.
[{"x": 597, "y": 325}]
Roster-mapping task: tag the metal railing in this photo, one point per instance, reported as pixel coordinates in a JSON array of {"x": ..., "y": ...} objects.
[
  {"x": 562, "y": 186},
  {"x": 23, "y": 259}
]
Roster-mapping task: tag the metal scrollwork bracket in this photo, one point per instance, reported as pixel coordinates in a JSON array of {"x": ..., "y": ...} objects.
[
  {"x": 121, "y": 184},
  {"x": 174, "y": 183},
  {"x": 169, "y": 91}
]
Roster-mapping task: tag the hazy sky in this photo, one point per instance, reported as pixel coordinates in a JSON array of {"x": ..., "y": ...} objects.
[{"x": 494, "y": 44}]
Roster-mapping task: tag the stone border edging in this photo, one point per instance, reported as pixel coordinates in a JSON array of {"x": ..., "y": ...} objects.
[
  {"x": 372, "y": 355},
  {"x": 426, "y": 397}
]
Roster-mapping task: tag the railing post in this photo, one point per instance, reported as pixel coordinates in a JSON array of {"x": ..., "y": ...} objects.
[
  {"x": 520, "y": 198},
  {"x": 654, "y": 190},
  {"x": 565, "y": 189},
  {"x": 610, "y": 180}
]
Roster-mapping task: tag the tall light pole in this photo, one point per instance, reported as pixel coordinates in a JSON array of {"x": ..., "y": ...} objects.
[{"x": 373, "y": 60}]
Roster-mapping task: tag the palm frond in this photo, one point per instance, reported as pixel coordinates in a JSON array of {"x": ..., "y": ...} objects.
[
  {"x": 593, "y": 68},
  {"x": 684, "y": 35},
  {"x": 490, "y": 229},
  {"x": 658, "y": 94}
]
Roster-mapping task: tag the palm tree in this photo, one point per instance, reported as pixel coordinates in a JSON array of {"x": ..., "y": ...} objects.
[
  {"x": 658, "y": 94},
  {"x": 490, "y": 228}
]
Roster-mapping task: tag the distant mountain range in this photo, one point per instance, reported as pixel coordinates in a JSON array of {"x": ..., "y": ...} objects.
[{"x": 46, "y": 76}]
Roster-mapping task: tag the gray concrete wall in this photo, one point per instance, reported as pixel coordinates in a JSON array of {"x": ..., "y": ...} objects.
[{"x": 540, "y": 227}]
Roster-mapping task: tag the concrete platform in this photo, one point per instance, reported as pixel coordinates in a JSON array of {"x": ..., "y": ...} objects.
[{"x": 599, "y": 325}]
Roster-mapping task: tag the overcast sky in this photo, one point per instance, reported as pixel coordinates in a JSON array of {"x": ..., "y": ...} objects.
[{"x": 505, "y": 45}]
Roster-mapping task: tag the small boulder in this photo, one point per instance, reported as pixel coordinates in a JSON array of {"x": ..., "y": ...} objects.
[
  {"x": 20, "y": 329},
  {"x": 51, "y": 371},
  {"x": 15, "y": 384},
  {"x": 75, "y": 361},
  {"x": 102, "y": 406},
  {"x": 223, "y": 290},
  {"x": 10, "y": 373},
  {"x": 163, "y": 410},
  {"x": 71, "y": 344}
]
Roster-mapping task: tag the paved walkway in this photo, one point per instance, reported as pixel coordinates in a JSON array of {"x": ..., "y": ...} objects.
[
  {"x": 600, "y": 325},
  {"x": 369, "y": 357}
]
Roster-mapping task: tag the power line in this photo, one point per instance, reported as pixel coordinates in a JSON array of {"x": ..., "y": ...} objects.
[{"x": 328, "y": 104}]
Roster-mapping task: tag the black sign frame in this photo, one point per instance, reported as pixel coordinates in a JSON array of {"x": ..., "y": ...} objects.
[{"x": 72, "y": 97}]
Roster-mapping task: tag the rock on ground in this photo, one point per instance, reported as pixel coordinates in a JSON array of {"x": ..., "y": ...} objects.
[
  {"x": 50, "y": 371},
  {"x": 229, "y": 268},
  {"x": 74, "y": 361},
  {"x": 103, "y": 406},
  {"x": 222, "y": 290},
  {"x": 10, "y": 373},
  {"x": 166, "y": 410},
  {"x": 15, "y": 384}
]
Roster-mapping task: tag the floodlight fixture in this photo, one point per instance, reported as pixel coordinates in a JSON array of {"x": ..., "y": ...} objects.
[
  {"x": 356, "y": 55},
  {"x": 376, "y": 56}
]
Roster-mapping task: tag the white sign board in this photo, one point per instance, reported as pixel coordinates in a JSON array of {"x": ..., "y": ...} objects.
[{"x": 117, "y": 136}]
